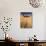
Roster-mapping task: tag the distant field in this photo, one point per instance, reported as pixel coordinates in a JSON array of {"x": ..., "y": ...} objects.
[{"x": 26, "y": 21}]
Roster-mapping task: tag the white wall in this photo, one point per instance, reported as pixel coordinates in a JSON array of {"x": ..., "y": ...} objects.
[{"x": 12, "y": 8}]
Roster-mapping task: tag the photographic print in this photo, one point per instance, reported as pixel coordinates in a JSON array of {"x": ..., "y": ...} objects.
[{"x": 26, "y": 19}]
